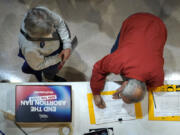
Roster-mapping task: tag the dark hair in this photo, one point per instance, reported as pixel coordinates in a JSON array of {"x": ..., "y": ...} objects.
[{"x": 38, "y": 22}]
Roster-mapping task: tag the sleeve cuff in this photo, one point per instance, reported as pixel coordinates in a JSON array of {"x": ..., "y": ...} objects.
[{"x": 96, "y": 91}]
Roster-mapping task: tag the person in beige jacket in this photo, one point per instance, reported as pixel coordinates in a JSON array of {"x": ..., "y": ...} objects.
[{"x": 44, "y": 43}]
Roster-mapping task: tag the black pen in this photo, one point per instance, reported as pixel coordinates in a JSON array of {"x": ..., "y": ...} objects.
[{"x": 120, "y": 119}]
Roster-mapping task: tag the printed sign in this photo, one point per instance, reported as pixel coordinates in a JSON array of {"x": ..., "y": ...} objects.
[{"x": 39, "y": 103}]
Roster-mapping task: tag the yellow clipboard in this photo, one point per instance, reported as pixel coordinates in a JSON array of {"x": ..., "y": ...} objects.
[
  {"x": 164, "y": 88},
  {"x": 138, "y": 109}
]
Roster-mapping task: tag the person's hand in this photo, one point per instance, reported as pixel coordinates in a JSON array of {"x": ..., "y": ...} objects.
[
  {"x": 64, "y": 55},
  {"x": 116, "y": 95},
  {"x": 99, "y": 101}
]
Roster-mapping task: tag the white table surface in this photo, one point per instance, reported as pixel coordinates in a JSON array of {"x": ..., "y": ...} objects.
[{"x": 81, "y": 122}]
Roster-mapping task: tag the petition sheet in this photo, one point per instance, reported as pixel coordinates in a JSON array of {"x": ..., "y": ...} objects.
[
  {"x": 115, "y": 109},
  {"x": 166, "y": 103}
]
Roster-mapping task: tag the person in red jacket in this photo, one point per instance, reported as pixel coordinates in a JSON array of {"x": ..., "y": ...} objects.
[{"x": 137, "y": 56}]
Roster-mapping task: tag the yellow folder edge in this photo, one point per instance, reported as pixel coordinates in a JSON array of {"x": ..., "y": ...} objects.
[
  {"x": 138, "y": 109},
  {"x": 164, "y": 88}
]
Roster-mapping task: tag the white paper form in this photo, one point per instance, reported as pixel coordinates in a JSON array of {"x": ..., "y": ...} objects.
[
  {"x": 166, "y": 103},
  {"x": 115, "y": 109}
]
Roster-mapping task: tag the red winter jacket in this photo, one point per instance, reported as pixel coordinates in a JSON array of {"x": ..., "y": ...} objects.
[{"x": 139, "y": 54}]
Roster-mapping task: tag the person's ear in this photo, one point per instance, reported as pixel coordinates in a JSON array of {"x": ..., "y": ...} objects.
[
  {"x": 119, "y": 90},
  {"x": 124, "y": 84}
]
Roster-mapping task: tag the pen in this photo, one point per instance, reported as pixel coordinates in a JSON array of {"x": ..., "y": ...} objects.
[
  {"x": 154, "y": 100},
  {"x": 120, "y": 119}
]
